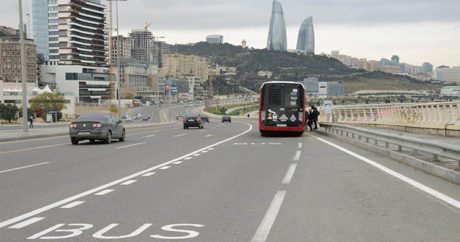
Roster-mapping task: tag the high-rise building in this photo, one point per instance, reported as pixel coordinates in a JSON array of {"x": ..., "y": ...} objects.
[
  {"x": 395, "y": 60},
  {"x": 178, "y": 66},
  {"x": 306, "y": 38},
  {"x": 125, "y": 48},
  {"x": 142, "y": 45},
  {"x": 70, "y": 32},
  {"x": 40, "y": 27},
  {"x": 427, "y": 68},
  {"x": 277, "y": 38},
  {"x": 447, "y": 74},
  {"x": 215, "y": 39}
]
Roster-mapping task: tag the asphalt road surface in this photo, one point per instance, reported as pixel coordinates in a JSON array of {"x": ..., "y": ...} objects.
[{"x": 222, "y": 183}]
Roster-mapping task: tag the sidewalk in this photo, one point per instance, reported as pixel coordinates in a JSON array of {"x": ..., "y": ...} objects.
[{"x": 44, "y": 132}]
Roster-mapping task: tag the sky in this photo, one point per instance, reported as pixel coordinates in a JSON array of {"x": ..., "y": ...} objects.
[{"x": 416, "y": 30}]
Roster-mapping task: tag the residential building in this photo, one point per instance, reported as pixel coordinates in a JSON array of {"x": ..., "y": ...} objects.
[
  {"x": 10, "y": 59},
  {"x": 447, "y": 74},
  {"x": 178, "y": 65},
  {"x": 427, "y": 68},
  {"x": 137, "y": 75},
  {"x": 277, "y": 38},
  {"x": 395, "y": 60},
  {"x": 215, "y": 39},
  {"x": 306, "y": 37},
  {"x": 142, "y": 45},
  {"x": 125, "y": 48}
]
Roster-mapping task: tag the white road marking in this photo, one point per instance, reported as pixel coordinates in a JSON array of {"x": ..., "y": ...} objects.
[
  {"x": 269, "y": 218},
  {"x": 196, "y": 155},
  {"x": 240, "y": 144},
  {"x": 26, "y": 223},
  {"x": 297, "y": 155},
  {"x": 177, "y": 163},
  {"x": 106, "y": 191},
  {"x": 29, "y": 149},
  {"x": 188, "y": 158},
  {"x": 24, "y": 167},
  {"x": 149, "y": 174},
  {"x": 128, "y": 146},
  {"x": 149, "y": 136},
  {"x": 179, "y": 135},
  {"x": 204, "y": 151},
  {"x": 129, "y": 182},
  {"x": 165, "y": 167},
  {"x": 213, "y": 148},
  {"x": 73, "y": 204},
  {"x": 289, "y": 174},
  {"x": 403, "y": 178},
  {"x": 299, "y": 146},
  {"x": 208, "y": 135},
  {"x": 274, "y": 143},
  {"x": 113, "y": 183}
]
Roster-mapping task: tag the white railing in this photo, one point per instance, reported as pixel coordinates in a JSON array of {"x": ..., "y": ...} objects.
[{"x": 441, "y": 115}]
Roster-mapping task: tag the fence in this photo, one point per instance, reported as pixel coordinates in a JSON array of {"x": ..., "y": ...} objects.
[{"x": 441, "y": 116}]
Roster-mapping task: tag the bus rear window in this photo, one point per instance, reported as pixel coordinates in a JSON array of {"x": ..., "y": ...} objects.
[{"x": 282, "y": 96}]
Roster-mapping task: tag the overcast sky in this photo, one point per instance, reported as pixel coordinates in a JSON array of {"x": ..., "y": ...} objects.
[{"x": 416, "y": 30}]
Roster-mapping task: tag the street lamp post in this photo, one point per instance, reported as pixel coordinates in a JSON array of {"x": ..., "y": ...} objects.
[
  {"x": 23, "y": 70},
  {"x": 118, "y": 58}
]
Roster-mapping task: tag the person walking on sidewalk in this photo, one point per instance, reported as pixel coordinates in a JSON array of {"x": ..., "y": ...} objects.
[{"x": 31, "y": 121}]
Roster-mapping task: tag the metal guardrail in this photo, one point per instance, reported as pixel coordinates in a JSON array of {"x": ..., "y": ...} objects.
[{"x": 436, "y": 149}]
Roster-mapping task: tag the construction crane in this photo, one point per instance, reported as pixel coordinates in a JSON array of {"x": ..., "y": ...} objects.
[{"x": 147, "y": 25}]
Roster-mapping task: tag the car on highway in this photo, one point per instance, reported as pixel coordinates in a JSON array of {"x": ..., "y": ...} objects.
[
  {"x": 146, "y": 118},
  {"x": 193, "y": 121},
  {"x": 96, "y": 126},
  {"x": 226, "y": 118},
  {"x": 126, "y": 118}
]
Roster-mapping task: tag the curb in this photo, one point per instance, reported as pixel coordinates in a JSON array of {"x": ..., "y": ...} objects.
[
  {"x": 39, "y": 136},
  {"x": 427, "y": 167}
]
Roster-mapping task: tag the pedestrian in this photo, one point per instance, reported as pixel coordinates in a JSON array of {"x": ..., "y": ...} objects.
[
  {"x": 315, "y": 115},
  {"x": 310, "y": 119},
  {"x": 31, "y": 121}
]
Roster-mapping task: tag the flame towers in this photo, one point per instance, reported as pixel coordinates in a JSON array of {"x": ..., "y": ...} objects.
[
  {"x": 306, "y": 38},
  {"x": 277, "y": 39}
]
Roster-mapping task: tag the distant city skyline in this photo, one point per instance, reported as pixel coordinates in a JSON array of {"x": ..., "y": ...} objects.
[{"x": 418, "y": 31}]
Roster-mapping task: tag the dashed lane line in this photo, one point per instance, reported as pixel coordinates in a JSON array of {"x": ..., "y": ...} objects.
[
  {"x": 106, "y": 191},
  {"x": 132, "y": 145},
  {"x": 129, "y": 182},
  {"x": 179, "y": 135},
  {"x": 33, "y": 148},
  {"x": 289, "y": 174},
  {"x": 177, "y": 163},
  {"x": 297, "y": 155},
  {"x": 165, "y": 167},
  {"x": 73, "y": 204},
  {"x": 299, "y": 145},
  {"x": 113, "y": 183},
  {"x": 149, "y": 174},
  {"x": 265, "y": 226},
  {"x": 429, "y": 190},
  {"x": 24, "y": 167}
]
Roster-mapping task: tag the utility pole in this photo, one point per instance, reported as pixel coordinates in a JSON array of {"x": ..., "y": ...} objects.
[
  {"x": 25, "y": 115},
  {"x": 118, "y": 85}
]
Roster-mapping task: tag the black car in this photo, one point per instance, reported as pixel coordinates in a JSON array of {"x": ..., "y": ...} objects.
[
  {"x": 94, "y": 127},
  {"x": 193, "y": 121},
  {"x": 226, "y": 118}
]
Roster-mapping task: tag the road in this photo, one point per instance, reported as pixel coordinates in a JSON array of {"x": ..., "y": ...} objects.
[{"x": 222, "y": 183}]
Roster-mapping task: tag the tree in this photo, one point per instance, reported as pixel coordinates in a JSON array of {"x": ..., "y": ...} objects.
[
  {"x": 8, "y": 112},
  {"x": 47, "y": 102}
]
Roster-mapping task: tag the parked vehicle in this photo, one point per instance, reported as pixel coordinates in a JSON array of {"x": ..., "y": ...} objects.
[{"x": 94, "y": 127}]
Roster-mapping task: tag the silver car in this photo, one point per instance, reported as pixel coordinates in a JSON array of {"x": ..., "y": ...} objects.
[{"x": 94, "y": 127}]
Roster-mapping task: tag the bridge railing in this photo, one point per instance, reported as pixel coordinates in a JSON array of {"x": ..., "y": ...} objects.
[
  {"x": 399, "y": 142},
  {"x": 440, "y": 115}
]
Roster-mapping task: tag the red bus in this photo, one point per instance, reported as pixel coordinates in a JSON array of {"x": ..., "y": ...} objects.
[{"x": 282, "y": 108}]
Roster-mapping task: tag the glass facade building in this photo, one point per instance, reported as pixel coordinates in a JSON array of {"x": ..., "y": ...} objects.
[
  {"x": 40, "y": 26},
  {"x": 277, "y": 38},
  {"x": 306, "y": 38}
]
